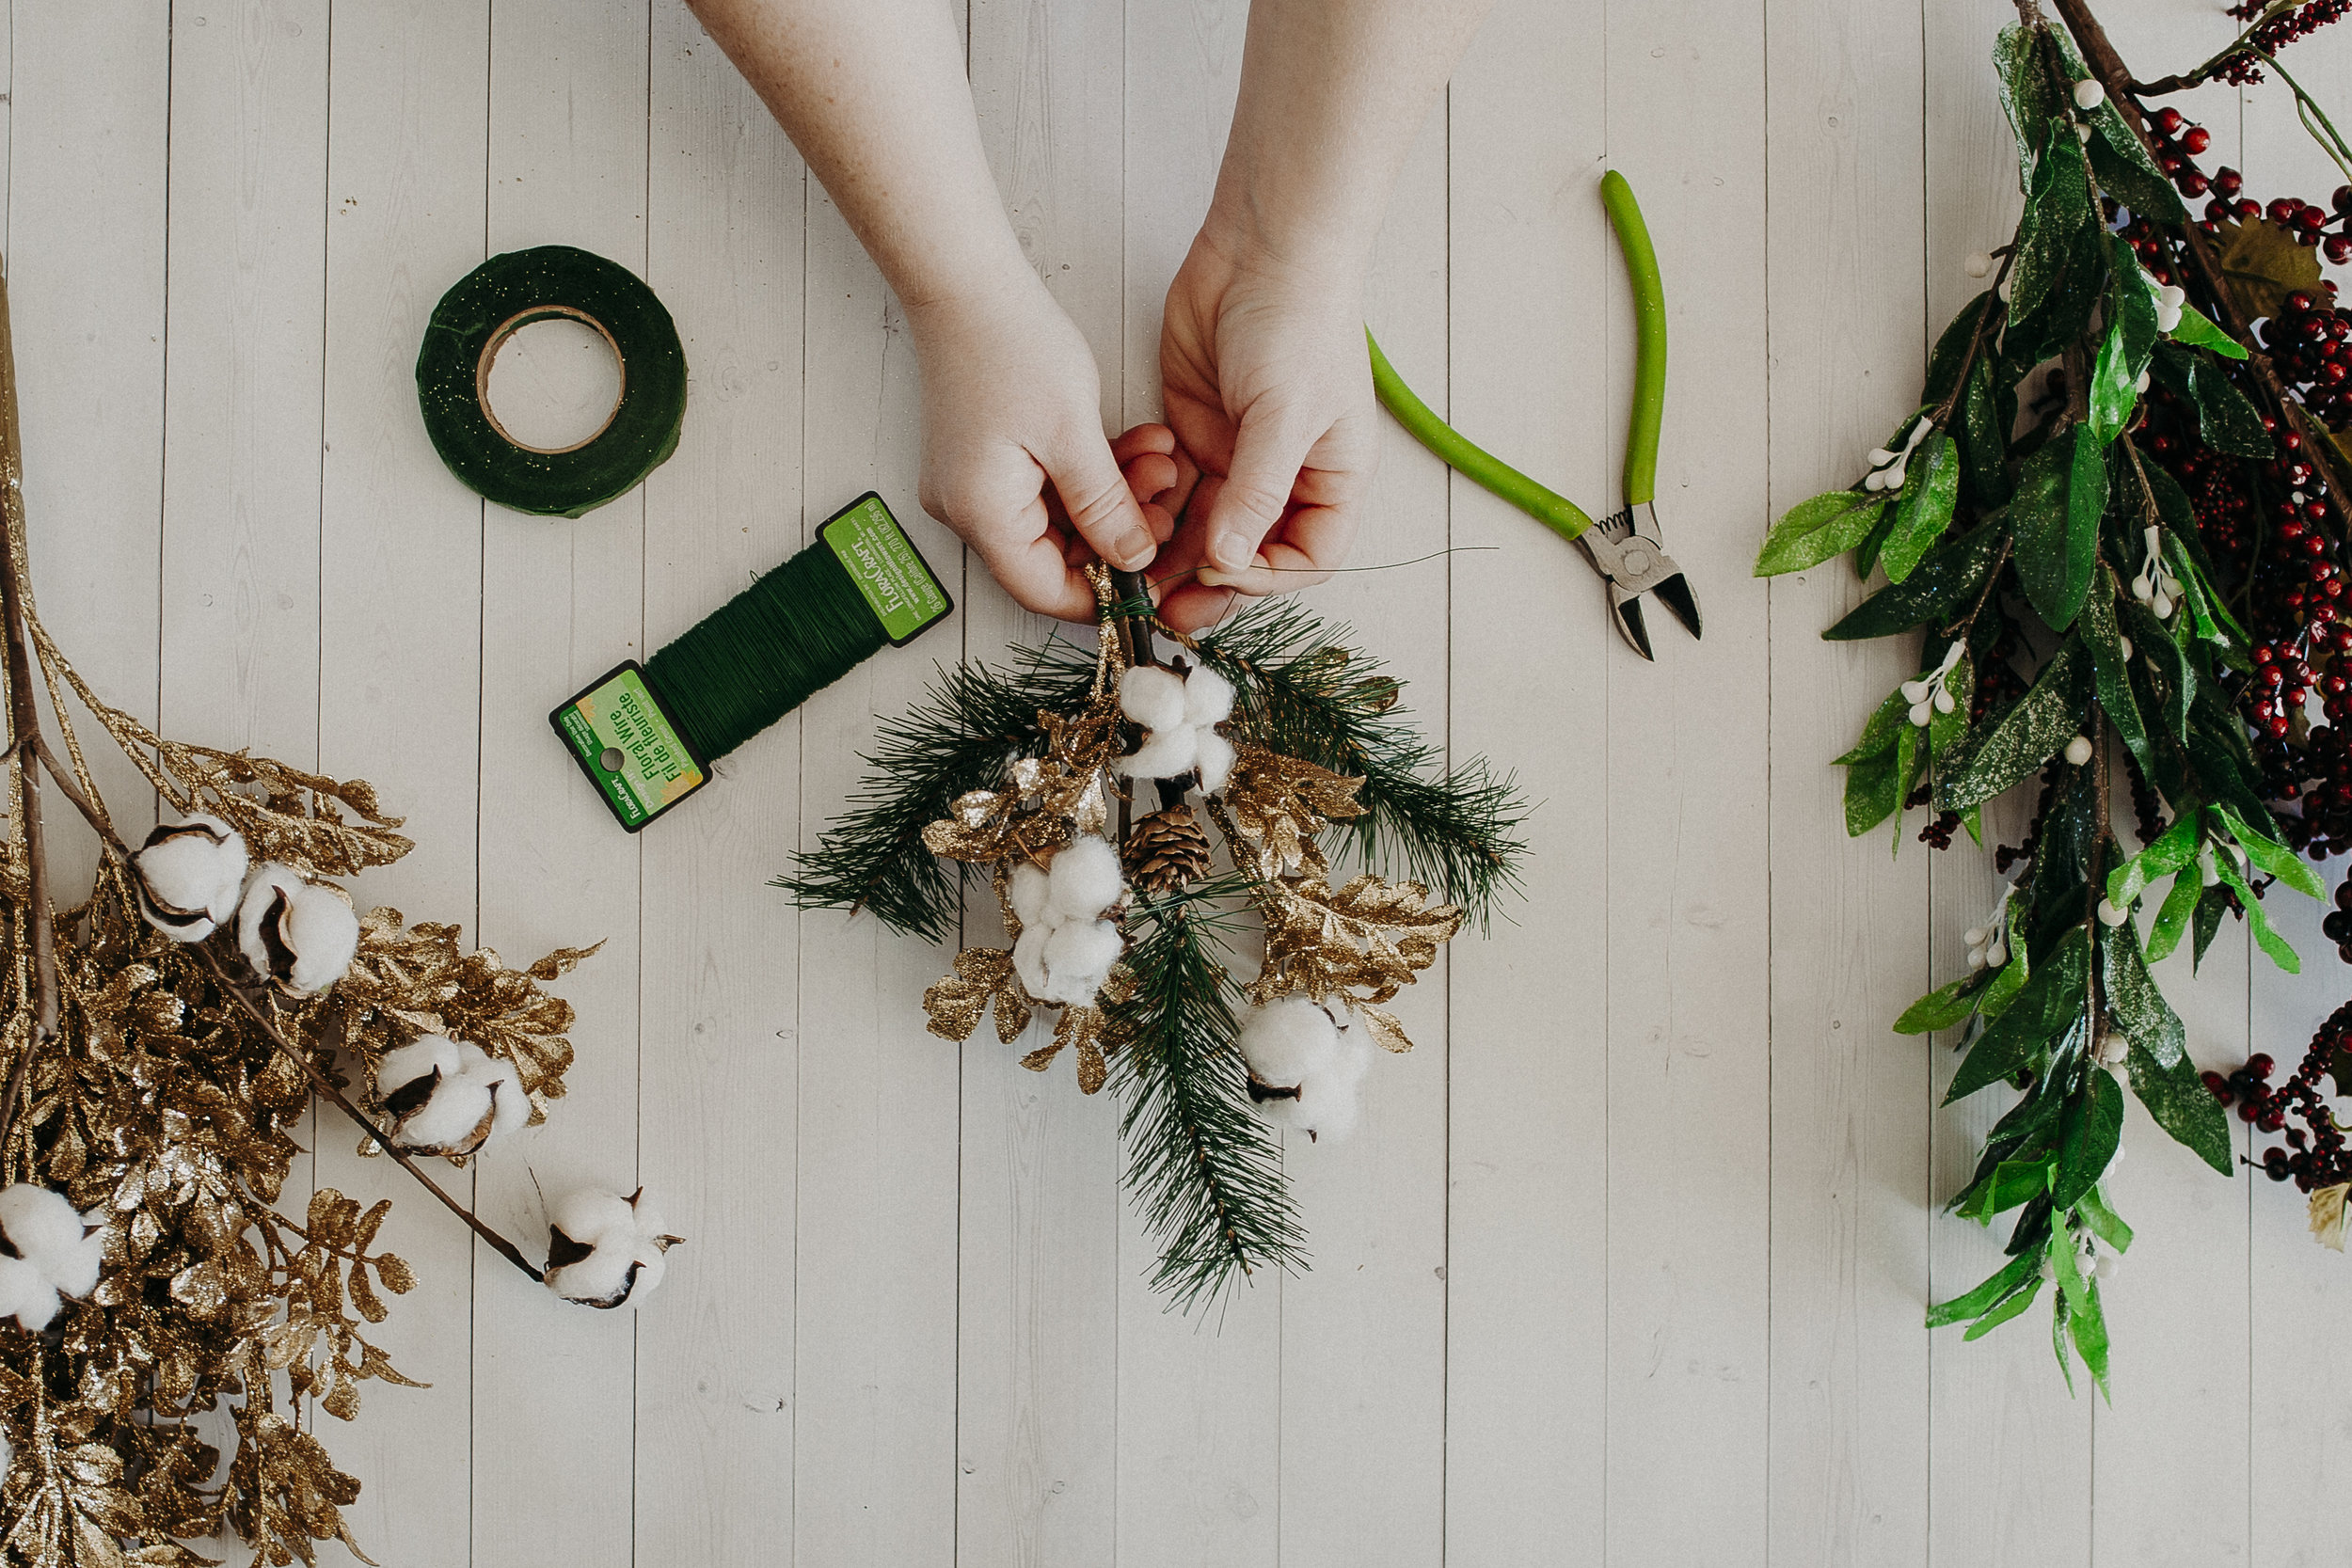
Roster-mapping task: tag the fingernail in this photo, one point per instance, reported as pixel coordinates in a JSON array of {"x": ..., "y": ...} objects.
[
  {"x": 1231, "y": 552},
  {"x": 1133, "y": 549}
]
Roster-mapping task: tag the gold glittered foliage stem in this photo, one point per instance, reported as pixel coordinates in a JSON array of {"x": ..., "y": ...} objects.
[
  {"x": 24, "y": 728},
  {"x": 268, "y": 1026}
]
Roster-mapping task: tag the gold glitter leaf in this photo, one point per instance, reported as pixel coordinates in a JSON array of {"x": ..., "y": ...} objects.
[
  {"x": 956, "y": 1003},
  {"x": 1279, "y": 804},
  {"x": 1384, "y": 1028}
]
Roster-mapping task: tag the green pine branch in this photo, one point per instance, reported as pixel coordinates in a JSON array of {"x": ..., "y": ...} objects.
[
  {"x": 972, "y": 721},
  {"x": 1305, "y": 694},
  {"x": 1203, "y": 1167}
]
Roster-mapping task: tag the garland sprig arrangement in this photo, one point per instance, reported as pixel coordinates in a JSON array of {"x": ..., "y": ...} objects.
[
  {"x": 2115, "y": 521},
  {"x": 1124, "y": 915},
  {"x": 160, "y": 1042}
]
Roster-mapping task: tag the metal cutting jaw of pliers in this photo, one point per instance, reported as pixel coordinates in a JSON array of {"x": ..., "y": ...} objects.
[
  {"x": 1623, "y": 549},
  {"x": 1624, "y": 546}
]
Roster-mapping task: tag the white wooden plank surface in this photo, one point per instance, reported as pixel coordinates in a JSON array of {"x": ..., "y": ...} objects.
[{"x": 1629, "y": 1262}]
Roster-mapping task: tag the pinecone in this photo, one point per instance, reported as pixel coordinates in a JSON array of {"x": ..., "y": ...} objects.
[{"x": 1166, "y": 849}]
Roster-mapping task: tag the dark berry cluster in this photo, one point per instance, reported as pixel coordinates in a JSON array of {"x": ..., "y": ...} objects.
[
  {"x": 2314, "y": 1153},
  {"x": 2245, "y": 67}
]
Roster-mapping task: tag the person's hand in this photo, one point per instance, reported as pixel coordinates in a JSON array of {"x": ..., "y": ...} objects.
[
  {"x": 1268, "y": 388},
  {"x": 1014, "y": 459}
]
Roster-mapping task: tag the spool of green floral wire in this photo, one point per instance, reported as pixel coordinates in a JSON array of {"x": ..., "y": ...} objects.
[{"x": 646, "y": 734}]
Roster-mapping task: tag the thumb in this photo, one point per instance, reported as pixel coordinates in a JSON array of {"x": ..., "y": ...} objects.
[
  {"x": 1095, "y": 495},
  {"x": 1268, "y": 453}
]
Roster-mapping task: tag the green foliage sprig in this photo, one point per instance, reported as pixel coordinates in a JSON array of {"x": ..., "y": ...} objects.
[{"x": 2070, "y": 626}]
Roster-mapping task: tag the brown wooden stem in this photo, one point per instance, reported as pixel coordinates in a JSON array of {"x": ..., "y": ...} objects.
[
  {"x": 24, "y": 700},
  {"x": 2108, "y": 66}
]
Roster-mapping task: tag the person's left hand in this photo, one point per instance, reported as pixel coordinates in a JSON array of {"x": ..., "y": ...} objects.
[{"x": 1268, "y": 388}]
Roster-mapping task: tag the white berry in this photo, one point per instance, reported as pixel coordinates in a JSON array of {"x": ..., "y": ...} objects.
[
  {"x": 2111, "y": 915},
  {"x": 2078, "y": 750},
  {"x": 1978, "y": 265}
]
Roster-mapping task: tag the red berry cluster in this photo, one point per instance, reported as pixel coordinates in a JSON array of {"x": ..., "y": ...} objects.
[
  {"x": 2314, "y": 1153},
  {"x": 2273, "y": 36}
]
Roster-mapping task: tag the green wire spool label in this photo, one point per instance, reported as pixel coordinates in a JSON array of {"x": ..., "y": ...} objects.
[
  {"x": 629, "y": 746},
  {"x": 883, "y": 563}
]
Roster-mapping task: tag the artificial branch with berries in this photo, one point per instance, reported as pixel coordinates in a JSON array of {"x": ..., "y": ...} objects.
[
  {"x": 1075, "y": 786},
  {"x": 2116, "y": 521}
]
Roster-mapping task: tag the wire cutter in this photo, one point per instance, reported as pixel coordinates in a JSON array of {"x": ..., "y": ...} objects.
[{"x": 1623, "y": 546}]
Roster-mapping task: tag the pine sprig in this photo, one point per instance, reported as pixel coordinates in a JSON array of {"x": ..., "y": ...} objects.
[
  {"x": 1306, "y": 693},
  {"x": 1204, "y": 1168},
  {"x": 971, "y": 722}
]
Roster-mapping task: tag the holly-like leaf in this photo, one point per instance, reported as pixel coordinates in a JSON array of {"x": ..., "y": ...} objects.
[
  {"x": 1925, "y": 511},
  {"x": 1940, "y": 587},
  {"x": 2264, "y": 264},
  {"x": 1812, "y": 531},
  {"x": 2177, "y": 1098},
  {"x": 2011, "y": 747}
]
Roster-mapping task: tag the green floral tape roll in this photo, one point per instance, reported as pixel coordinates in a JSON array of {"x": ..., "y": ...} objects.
[{"x": 488, "y": 306}]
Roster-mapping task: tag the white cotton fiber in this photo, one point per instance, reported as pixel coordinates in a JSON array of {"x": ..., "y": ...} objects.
[
  {"x": 407, "y": 1064},
  {"x": 1208, "y": 698},
  {"x": 27, "y": 1295},
  {"x": 1028, "y": 893},
  {"x": 1028, "y": 958},
  {"x": 1078, "y": 959},
  {"x": 1169, "y": 754},
  {"x": 448, "y": 1119},
  {"x": 588, "y": 1215},
  {"x": 1215, "y": 760},
  {"x": 1330, "y": 1096},
  {"x": 506, "y": 1092},
  {"x": 190, "y": 874},
  {"x": 1287, "y": 1040},
  {"x": 1153, "y": 697},
  {"x": 316, "y": 926},
  {"x": 38, "y": 1222},
  {"x": 1083, "y": 879}
]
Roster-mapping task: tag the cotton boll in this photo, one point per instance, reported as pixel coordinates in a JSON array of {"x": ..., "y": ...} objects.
[
  {"x": 1287, "y": 1040},
  {"x": 1208, "y": 697},
  {"x": 1029, "y": 899},
  {"x": 1153, "y": 697},
  {"x": 38, "y": 1222},
  {"x": 56, "y": 1252},
  {"x": 1169, "y": 754},
  {"x": 27, "y": 1295},
  {"x": 1028, "y": 960},
  {"x": 1328, "y": 1097},
  {"x": 1215, "y": 761},
  {"x": 1078, "y": 959},
  {"x": 604, "y": 1250},
  {"x": 1084, "y": 879},
  {"x": 512, "y": 1106},
  {"x": 418, "y": 1059},
  {"x": 189, "y": 876},
  {"x": 300, "y": 934}
]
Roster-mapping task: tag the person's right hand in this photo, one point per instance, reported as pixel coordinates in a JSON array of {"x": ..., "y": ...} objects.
[{"x": 1014, "y": 457}]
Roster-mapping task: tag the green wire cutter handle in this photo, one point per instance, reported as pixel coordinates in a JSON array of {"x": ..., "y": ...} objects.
[
  {"x": 1625, "y": 548},
  {"x": 1649, "y": 322}
]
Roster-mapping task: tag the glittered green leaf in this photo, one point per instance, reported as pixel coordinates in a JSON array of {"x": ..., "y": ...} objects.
[
  {"x": 2111, "y": 680},
  {"x": 2088, "y": 1137},
  {"x": 1941, "y": 1007},
  {"x": 1874, "y": 787},
  {"x": 2057, "y": 214},
  {"x": 2226, "y": 421},
  {"x": 1981, "y": 1300},
  {"x": 2057, "y": 539},
  {"x": 2266, "y": 936},
  {"x": 2011, "y": 747},
  {"x": 1812, "y": 531},
  {"x": 2171, "y": 922},
  {"x": 1952, "y": 351},
  {"x": 2197, "y": 329},
  {"x": 2101, "y": 1221},
  {"x": 1878, "y": 735},
  {"x": 2270, "y": 855},
  {"x": 1941, "y": 587},
  {"x": 2177, "y": 1099},
  {"x": 2030, "y": 97},
  {"x": 2175, "y": 847},
  {"x": 2134, "y": 1001},
  {"x": 1925, "y": 512},
  {"x": 2008, "y": 1308},
  {"x": 2020, "y": 1037}
]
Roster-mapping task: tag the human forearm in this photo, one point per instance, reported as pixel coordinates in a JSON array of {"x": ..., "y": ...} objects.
[
  {"x": 1332, "y": 93},
  {"x": 873, "y": 94}
]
